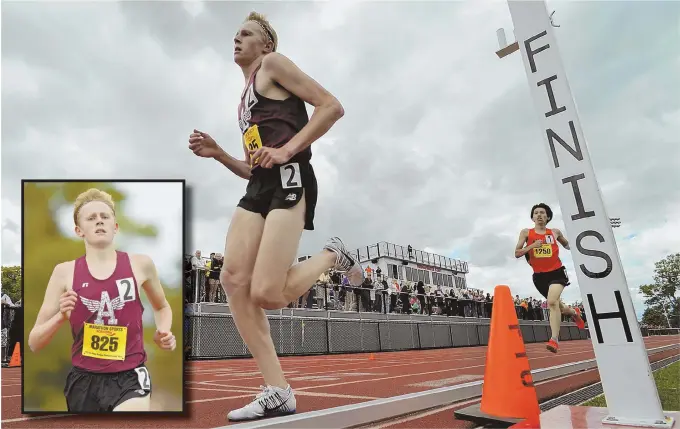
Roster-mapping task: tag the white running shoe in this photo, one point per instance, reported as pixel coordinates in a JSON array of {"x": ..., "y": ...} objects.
[
  {"x": 271, "y": 402},
  {"x": 345, "y": 262}
]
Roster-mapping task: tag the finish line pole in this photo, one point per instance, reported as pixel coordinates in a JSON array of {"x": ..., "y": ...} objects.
[{"x": 627, "y": 381}]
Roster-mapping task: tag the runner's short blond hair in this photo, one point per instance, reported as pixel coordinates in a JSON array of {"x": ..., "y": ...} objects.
[
  {"x": 88, "y": 196},
  {"x": 267, "y": 29}
]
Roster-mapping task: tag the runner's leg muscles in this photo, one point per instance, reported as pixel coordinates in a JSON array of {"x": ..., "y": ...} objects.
[
  {"x": 554, "y": 293},
  {"x": 243, "y": 240},
  {"x": 135, "y": 404},
  {"x": 565, "y": 309},
  {"x": 276, "y": 281}
]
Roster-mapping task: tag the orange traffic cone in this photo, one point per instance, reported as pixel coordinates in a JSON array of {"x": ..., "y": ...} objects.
[
  {"x": 508, "y": 389},
  {"x": 16, "y": 356}
]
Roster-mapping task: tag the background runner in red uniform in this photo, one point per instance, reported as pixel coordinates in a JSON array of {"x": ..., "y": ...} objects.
[
  {"x": 550, "y": 276},
  {"x": 98, "y": 294}
]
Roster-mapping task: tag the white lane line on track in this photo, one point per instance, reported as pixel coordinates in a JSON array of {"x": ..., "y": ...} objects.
[
  {"x": 25, "y": 419},
  {"x": 649, "y": 344},
  {"x": 420, "y": 415},
  {"x": 460, "y": 404},
  {"x": 222, "y": 390},
  {"x": 449, "y": 359},
  {"x": 413, "y": 374},
  {"x": 312, "y": 394}
]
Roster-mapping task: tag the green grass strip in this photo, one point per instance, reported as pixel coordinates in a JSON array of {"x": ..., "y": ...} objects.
[{"x": 667, "y": 383}]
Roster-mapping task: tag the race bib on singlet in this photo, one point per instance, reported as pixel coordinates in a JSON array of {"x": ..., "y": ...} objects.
[
  {"x": 104, "y": 342},
  {"x": 545, "y": 251},
  {"x": 252, "y": 140}
]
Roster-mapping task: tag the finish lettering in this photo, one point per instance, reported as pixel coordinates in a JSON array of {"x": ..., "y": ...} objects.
[
  {"x": 582, "y": 214},
  {"x": 595, "y": 317},
  {"x": 530, "y": 53},
  {"x": 551, "y": 96},
  {"x": 576, "y": 152},
  {"x": 596, "y": 253}
]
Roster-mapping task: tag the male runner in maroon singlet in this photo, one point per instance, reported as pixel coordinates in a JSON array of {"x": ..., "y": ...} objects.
[
  {"x": 279, "y": 203},
  {"x": 98, "y": 293},
  {"x": 550, "y": 276}
]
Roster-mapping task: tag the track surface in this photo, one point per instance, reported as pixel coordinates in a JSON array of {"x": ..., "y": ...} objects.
[{"x": 215, "y": 387}]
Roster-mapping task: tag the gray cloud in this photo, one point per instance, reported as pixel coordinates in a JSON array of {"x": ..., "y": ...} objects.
[
  {"x": 11, "y": 226},
  {"x": 440, "y": 146},
  {"x": 491, "y": 250}
]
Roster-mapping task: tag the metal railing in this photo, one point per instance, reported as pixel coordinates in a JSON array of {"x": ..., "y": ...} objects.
[
  {"x": 650, "y": 332},
  {"x": 9, "y": 336},
  {"x": 329, "y": 296},
  {"x": 385, "y": 249},
  {"x": 214, "y": 336}
]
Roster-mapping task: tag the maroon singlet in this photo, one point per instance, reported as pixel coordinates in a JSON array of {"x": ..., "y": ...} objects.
[
  {"x": 277, "y": 121},
  {"x": 112, "y": 304}
]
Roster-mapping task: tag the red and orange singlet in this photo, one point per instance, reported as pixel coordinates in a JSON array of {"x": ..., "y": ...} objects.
[{"x": 546, "y": 257}]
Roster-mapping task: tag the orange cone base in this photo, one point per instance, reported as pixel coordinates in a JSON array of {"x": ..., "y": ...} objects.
[
  {"x": 474, "y": 414},
  {"x": 534, "y": 423}
]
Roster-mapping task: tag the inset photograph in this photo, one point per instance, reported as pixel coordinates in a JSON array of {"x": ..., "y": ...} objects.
[{"x": 102, "y": 296}]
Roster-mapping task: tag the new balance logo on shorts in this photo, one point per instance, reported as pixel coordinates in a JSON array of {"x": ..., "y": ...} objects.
[{"x": 291, "y": 197}]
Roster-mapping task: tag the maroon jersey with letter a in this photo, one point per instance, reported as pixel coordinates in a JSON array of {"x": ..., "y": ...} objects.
[
  {"x": 272, "y": 123},
  {"x": 106, "y": 323}
]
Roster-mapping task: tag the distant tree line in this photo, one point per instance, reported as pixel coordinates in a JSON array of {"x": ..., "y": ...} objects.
[
  {"x": 11, "y": 282},
  {"x": 661, "y": 297}
]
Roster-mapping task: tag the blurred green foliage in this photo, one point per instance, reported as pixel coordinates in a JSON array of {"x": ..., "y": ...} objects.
[
  {"x": 44, "y": 247},
  {"x": 11, "y": 282}
]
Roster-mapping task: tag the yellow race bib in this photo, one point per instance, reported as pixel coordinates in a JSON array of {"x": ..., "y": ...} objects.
[
  {"x": 252, "y": 140},
  {"x": 105, "y": 342},
  {"x": 545, "y": 251}
]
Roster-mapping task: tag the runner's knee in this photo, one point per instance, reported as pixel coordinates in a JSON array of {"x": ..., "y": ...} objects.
[
  {"x": 268, "y": 297},
  {"x": 233, "y": 279},
  {"x": 553, "y": 303}
]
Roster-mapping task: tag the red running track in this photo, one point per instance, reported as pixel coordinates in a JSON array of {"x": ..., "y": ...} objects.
[{"x": 215, "y": 387}]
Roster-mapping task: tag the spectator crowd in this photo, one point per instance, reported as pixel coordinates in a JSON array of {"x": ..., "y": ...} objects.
[
  {"x": 12, "y": 326},
  {"x": 378, "y": 293}
]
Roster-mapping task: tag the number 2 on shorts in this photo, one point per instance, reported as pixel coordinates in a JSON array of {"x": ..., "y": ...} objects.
[
  {"x": 290, "y": 176},
  {"x": 143, "y": 377}
]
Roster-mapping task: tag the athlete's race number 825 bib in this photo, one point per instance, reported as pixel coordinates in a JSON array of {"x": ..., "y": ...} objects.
[{"x": 104, "y": 342}]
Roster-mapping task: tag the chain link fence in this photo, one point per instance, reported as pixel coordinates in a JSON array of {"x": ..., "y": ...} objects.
[
  {"x": 214, "y": 336},
  {"x": 12, "y": 330},
  {"x": 649, "y": 332}
]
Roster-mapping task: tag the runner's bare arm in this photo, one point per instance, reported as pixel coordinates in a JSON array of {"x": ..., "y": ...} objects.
[
  {"x": 239, "y": 168},
  {"x": 327, "y": 108},
  {"x": 561, "y": 238},
  {"x": 520, "y": 250},
  {"x": 162, "y": 312},
  {"x": 49, "y": 318}
]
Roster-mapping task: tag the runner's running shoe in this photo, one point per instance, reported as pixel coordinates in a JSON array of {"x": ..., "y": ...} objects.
[{"x": 271, "y": 402}]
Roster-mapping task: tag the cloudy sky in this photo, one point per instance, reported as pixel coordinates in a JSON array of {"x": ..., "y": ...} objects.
[{"x": 439, "y": 148}]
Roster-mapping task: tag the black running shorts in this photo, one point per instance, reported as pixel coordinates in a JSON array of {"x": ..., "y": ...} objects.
[
  {"x": 281, "y": 187},
  {"x": 542, "y": 281},
  {"x": 88, "y": 392}
]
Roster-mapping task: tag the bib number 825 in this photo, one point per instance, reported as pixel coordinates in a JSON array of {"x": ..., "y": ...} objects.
[{"x": 104, "y": 344}]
